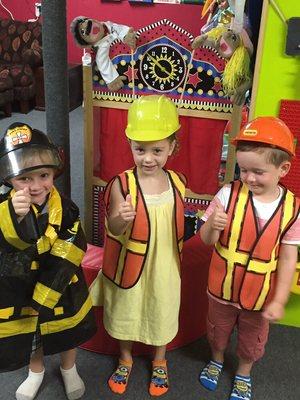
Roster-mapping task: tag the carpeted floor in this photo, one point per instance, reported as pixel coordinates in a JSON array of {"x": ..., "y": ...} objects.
[{"x": 275, "y": 377}]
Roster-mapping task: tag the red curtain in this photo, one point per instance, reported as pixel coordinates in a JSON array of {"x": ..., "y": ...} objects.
[{"x": 198, "y": 159}]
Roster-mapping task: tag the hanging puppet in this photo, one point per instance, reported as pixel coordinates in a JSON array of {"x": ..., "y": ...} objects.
[
  {"x": 90, "y": 33},
  {"x": 236, "y": 47}
]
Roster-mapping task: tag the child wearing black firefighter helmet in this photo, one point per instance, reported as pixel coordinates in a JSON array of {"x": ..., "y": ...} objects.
[{"x": 45, "y": 307}]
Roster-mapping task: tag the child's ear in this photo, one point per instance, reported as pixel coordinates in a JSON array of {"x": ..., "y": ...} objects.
[
  {"x": 284, "y": 168},
  {"x": 172, "y": 147}
]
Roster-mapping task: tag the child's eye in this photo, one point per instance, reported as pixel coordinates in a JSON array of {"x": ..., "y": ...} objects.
[{"x": 157, "y": 151}]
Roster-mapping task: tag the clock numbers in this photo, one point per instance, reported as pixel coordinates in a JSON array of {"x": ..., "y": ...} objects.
[{"x": 162, "y": 68}]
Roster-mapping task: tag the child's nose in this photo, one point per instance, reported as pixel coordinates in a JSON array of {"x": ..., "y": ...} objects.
[
  {"x": 33, "y": 184},
  {"x": 148, "y": 157}
]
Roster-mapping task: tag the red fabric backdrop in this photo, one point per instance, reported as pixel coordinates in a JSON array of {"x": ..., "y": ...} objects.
[{"x": 198, "y": 159}]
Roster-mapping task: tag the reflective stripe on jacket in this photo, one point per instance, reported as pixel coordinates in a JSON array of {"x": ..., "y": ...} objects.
[
  {"x": 244, "y": 262},
  {"x": 125, "y": 255}
]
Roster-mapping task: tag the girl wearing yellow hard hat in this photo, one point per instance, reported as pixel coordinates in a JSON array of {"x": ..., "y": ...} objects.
[{"x": 145, "y": 227}]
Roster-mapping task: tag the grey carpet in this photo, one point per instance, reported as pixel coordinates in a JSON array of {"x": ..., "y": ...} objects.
[{"x": 275, "y": 377}]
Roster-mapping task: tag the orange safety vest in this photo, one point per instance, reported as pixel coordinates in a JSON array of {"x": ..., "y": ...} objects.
[
  {"x": 125, "y": 255},
  {"x": 244, "y": 261}
]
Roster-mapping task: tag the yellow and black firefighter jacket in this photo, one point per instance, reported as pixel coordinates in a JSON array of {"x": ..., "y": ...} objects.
[{"x": 40, "y": 270}]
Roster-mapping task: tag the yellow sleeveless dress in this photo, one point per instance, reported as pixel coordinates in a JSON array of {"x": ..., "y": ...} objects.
[{"x": 148, "y": 312}]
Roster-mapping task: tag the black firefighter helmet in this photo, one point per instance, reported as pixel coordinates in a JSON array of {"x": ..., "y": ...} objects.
[{"x": 24, "y": 149}]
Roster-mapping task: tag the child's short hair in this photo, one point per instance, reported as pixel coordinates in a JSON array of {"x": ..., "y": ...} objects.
[{"x": 274, "y": 155}]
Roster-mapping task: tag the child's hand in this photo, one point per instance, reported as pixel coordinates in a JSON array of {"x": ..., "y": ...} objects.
[
  {"x": 21, "y": 202},
  {"x": 126, "y": 210},
  {"x": 219, "y": 217},
  {"x": 274, "y": 311}
]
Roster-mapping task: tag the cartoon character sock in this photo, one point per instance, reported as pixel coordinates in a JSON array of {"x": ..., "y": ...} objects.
[
  {"x": 159, "y": 380},
  {"x": 210, "y": 374},
  {"x": 29, "y": 388},
  {"x": 119, "y": 379},
  {"x": 241, "y": 388},
  {"x": 74, "y": 385}
]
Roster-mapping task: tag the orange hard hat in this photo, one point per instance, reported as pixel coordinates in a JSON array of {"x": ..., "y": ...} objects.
[{"x": 270, "y": 130}]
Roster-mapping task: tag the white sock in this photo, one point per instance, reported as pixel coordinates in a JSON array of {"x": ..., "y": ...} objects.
[
  {"x": 74, "y": 385},
  {"x": 29, "y": 388}
]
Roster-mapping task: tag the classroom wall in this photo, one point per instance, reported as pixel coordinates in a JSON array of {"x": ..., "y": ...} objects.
[
  {"x": 186, "y": 16},
  {"x": 278, "y": 75}
]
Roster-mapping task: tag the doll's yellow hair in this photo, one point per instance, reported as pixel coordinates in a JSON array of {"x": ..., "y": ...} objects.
[{"x": 237, "y": 70}]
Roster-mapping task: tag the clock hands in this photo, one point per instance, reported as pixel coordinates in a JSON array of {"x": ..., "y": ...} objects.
[{"x": 156, "y": 62}]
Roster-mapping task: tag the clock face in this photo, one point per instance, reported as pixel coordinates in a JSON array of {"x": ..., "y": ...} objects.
[{"x": 162, "y": 68}]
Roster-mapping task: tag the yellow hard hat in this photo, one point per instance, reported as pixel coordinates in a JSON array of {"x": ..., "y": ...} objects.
[{"x": 152, "y": 118}]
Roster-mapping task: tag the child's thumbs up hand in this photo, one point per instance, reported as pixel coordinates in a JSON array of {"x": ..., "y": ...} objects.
[
  {"x": 126, "y": 210},
  {"x": 219, "y": 217},
  {"x": 21, "y": 202}
]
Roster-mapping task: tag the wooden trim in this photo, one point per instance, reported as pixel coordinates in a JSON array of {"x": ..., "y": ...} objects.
[
  {"x": 88, "y": 150},
  {"x": 236, "y": 120},
  {"x": 259, "y": 52},
  {"x": 186, "y": 112}
]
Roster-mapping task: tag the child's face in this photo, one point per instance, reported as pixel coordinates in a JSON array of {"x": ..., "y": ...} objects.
[
  {"x": 39, "y": 182},
  {"x": 91, "y": 31},
  {"x": 150, "y": 157},
  {"x": 260, "y": 176}
]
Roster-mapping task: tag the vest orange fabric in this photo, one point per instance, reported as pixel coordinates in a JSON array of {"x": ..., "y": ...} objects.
[
  {"x": 244, "y": 262},
  {"x": 125, "y": 255}
]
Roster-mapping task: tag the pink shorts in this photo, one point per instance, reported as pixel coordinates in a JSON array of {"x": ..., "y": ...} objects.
[{"x": 252, "y": 329}]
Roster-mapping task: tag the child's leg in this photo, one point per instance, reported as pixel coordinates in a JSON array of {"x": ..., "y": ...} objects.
[
  {"x": 253, "y": 332},
  {"x": 74, "y": 385},
  {"x": 220, "y": 323},
  {"x": 159, "y": 383},
  {"x": 119, "y": 379},
  {"x": 29, "y": 388}
]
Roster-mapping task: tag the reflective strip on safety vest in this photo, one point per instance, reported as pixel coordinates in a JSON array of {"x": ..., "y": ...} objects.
[
  {"x": 268, "y": 268},
  {"x": 230, "y": 254},
  {"x": 19, "y": 327},
  {"x": 68, "y": 251},
  {"x": 132, "y": 187},
  {"x": 45, "y": 296},
  {"x": 136, "y": 247},
  {"x": 67, "y": 323},
  {"x": 178, "y": 183}
]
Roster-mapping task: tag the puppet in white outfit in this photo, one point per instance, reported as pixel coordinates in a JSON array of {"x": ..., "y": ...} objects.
[{"x": 89, "y": 33}]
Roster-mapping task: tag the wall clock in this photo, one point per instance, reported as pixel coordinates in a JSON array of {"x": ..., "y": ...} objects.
[{"x": 162, "y": 68}]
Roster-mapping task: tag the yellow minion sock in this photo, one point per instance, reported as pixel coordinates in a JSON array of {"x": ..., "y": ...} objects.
[
  {"x": 119, "y": 379},
  {"x": 159, "y": 381}
]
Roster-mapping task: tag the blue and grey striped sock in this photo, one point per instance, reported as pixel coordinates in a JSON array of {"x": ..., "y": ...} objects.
[
  {"x": 209, "y": 376},
  {"x": 241, "y": 388}
]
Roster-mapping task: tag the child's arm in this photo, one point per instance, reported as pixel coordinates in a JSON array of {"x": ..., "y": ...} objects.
[
  {"x": 285, "y": 271},
  {"x": 211, "y": 229},
  {"x": 60, "y": 265},
  {"x": 121, "y": 212}
]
